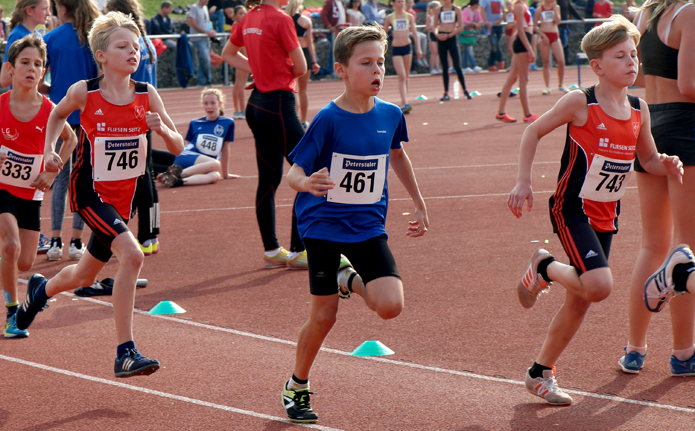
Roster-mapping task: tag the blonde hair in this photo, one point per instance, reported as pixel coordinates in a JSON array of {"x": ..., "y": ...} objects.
[
  {"x": 132, "y": 8},
  {"x": 82, "y": 13},
  {"x": 294, "y": 7},
  {"x": 351, "y": 36},
  {"x": 656, "y": 8},
  {"x": 612, "y": 32},
  {"x": 20, "y": 10},
  {"x": 105, "y": 26},
  {"x": 215, "y": 92},
  {"x": 432, "y": 5}
]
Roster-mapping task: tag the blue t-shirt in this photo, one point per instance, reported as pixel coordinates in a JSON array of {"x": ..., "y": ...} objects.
[
  {"x": 17, "y": 33},
  {"x": 355, "y": 148},
  {"x": 69, "y": 63},
  {"x": 493, "y": 9},
  {"x": 146, "y": 72},
  {"x": 208, "y": 137}
]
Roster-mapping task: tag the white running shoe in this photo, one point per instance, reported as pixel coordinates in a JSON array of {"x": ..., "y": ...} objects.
[
  {"x": 468, "y": 70},
  {"x": 75, "y": 253},
  {"x": 345, "y": 274},
  {"x": 297, "y": 261},
  {"x": 477, "y": 69},
  {"x": 659, "y": 288},
  {"x": 546, "y": 387},
  {"x": 546, "y": 91},
  {"x": 563, "y": 89},
  {"x": 277, "y": 261},
  {"x": 55, "y": 252}
]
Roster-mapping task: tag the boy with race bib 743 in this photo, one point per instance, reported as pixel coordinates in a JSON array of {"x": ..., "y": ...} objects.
[
  {"x": 605, "y": 128},
  {"x": 340, "y": 168}
]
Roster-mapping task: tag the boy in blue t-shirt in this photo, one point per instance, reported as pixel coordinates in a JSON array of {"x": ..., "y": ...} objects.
[{"x": 340, "y": 166}]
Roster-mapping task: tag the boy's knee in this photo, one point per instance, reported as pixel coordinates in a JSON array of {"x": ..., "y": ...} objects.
[
  {"x": 325, "y": 320},
  {"x": 25, "y": 264},
  {"x": 600, "y": 290},
  {"x": 389, "y": 310},
  {"x": 133, "y": 258},
  {"x": 11, "y": 249}
]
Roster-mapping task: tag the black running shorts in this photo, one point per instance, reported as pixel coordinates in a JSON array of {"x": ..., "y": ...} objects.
[
  {"x": 106, "y": 225},
  {"x": 586, "y": 248},
  {"x": 673, "y": 128},
  {"x": 371, "y": 259},
  {"x": 27, "y": 213}
]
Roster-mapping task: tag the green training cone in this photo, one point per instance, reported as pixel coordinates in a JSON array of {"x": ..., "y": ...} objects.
[
  {"x": 372, "y": 348},
  {"x": 166, "y": 307}
]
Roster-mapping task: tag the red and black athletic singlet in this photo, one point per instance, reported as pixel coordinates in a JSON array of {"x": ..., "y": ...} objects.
[
  {"x": 24, "y": 144},
  {"x": 595, "y": 168},
  {"x": 112, "y": 151}
]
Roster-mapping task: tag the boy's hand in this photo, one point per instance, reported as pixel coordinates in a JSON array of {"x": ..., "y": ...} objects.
[
  {"x": 419, "y": 226},
  {"x": 43, "y": 181},
  {"x": 520, "y": 193},
  {"x": 319, "y": 183},
  {"x": 673, "y": 166},
  {"x": 154, "y": 122},
  {"x": 52, "y": 162}
]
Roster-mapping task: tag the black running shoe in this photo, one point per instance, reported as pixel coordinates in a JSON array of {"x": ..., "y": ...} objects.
[
  {"x": 132, "y": 363},
  {"x": 297, "y": 405},
  {"x": 31, "y": 307},
  {"x": 445, "y": 98}
]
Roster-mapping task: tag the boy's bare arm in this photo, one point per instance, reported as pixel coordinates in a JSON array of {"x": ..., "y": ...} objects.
[
  {"x": 317, "y": 184},
  {"x": 53, "y": 162},
  {"x": 158, "y": 121},
  {"x": 571, "y": 108},
  {"x": 75, "y": 99},
  {"x": 400, "y": 162}
]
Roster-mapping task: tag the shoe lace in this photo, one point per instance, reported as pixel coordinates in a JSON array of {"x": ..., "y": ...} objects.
[
  {"x": 301, "y": 399},
  {"x": 135, "y": 355},
  {"x": 548, "y": 385}
]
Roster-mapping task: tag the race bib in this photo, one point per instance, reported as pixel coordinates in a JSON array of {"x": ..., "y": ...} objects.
[
  {"x": 20, "y": 170},
  {"x": 400, "y": 25},
  {"x": 509, "y": 18},
  {"x": 119, "y": 158},
  {"x": 358, "y": 179},
  {"x": 547, "y": 16},
  {"x": 606, "y": 180},
  {"x": 210, "y": 145},
  {"x": 448, "y": 17}
]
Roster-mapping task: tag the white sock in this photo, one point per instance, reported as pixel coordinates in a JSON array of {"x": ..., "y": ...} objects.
[
  {"x": 293, "y": 386},
  {"x": 272, "y": 253},
  {"x": 638, "y": 349},
  {"x": 685, "y": 354}
]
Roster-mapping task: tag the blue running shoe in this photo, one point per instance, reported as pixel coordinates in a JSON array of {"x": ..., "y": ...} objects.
[
  {"x": 132, "y": 363},
  {"x": 31, "y": 307},
  {"x": 11, "y": 330},
  {"x": 44, "y": 244},
  {"x": 632, "y": 362},
  {"x": 660, "y": 287},
  {"x": 683, "y": 368}
]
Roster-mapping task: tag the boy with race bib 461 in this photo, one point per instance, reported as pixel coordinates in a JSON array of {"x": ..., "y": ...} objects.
[
  {"x": 340, "y": 168},
  {"x": 605, "y": 128}
]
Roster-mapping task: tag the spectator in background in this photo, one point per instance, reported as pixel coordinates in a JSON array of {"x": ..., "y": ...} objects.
[
  {"x": 354, "y": 14},
  {"x": 230, "y": 10},
  {"x": 216, "y": 11},
  {"x": 27, "y": 15},
  {"x": 602, "y": 9},
  {"x": 627, "y": 13},
  {"x": 303, "y": 27},
  {"x": 422, "y": 38},
  {"x": 566, "y": 8},
  {"x": 371, "y": 13},
  {"x": 3, "y": 25},
  {"x": 198, "y": 20},
  {"x": 334, "y": 18},
  {"x": 161, "y": 24},
  {"x": 472, "y": 21},
  {"x": 494, "y": 15}
]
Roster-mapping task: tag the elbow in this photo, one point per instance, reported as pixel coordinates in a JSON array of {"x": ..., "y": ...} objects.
[{"x": 687, "y": 88}]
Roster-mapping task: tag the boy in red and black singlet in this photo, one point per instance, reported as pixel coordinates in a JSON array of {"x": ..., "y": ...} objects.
[
  {"x": 23, "y": 117},
  {"x": 606, "y": 128},
  {"x": 115, "y": 114}
]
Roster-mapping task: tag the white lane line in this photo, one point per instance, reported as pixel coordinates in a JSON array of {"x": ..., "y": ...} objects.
[
  {"x": 162, "y": 394},
  {"x": 394, "y": 362}
]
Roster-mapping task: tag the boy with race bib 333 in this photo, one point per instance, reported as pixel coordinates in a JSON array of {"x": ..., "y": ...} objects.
[
  {"x": 605, "y": 129},
  {"x": 115, "y": 114},
  {"x": 340, "y": 168},
  {"x": 23, "y": 116}
]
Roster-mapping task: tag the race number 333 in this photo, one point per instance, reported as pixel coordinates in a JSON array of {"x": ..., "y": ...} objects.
[
  {"x": 358, "y": 179},
  {"x": 119, "y": 158},
  {"x": 606, "y": 180},
  {"x": 20, "y": 170}
]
